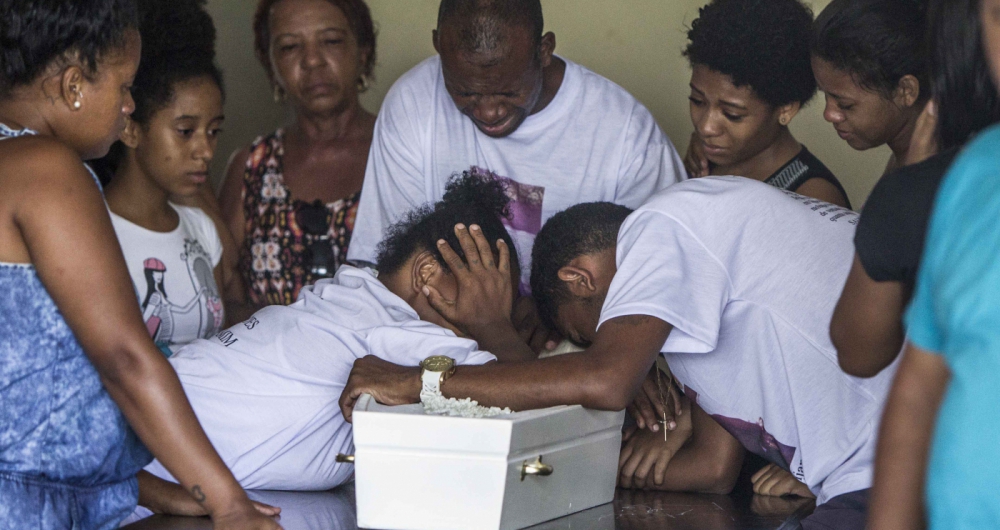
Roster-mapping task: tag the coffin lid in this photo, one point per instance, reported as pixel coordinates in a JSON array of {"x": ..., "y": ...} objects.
[{"x": 406, "y": 427}]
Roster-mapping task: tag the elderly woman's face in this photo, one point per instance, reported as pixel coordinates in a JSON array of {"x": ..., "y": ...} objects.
[{"x": 314, "y": 55}]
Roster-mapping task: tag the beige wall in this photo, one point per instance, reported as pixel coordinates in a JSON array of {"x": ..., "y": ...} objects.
[{"x": 636, "y": 43}]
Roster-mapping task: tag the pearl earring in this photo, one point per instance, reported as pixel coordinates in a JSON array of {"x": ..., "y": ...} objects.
[{"x": 77, "y": 104}]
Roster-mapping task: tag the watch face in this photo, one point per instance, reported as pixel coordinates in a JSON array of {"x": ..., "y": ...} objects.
[{"x": 438, "y": 363}]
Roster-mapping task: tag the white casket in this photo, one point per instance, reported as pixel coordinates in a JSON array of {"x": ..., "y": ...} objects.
[{"x": 419, "y": 472}]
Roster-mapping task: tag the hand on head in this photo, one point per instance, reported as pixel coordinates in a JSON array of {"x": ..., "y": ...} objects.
[{"x": 485, "y": 294}]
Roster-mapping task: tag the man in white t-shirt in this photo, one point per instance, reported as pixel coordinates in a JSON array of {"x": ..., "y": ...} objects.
[
  {"x": 735, "y": 283},
  {"x": 497, "y": 98}
]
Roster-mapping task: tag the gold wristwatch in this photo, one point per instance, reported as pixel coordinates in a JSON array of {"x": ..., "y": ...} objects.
[{"x": 434, "y": 371}]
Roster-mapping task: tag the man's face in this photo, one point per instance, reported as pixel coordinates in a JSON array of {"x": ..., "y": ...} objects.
[
  {"x": 577, "y": 319},
  {"x": 496, "y": 89}
]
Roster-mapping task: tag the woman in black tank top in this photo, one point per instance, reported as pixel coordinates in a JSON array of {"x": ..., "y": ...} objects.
[{"x": 751, "y": 74}]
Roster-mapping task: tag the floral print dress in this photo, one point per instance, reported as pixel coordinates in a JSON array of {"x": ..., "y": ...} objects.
[{"x": 274, "y": 259}]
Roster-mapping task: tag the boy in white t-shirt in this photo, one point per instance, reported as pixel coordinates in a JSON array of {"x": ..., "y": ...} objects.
[
  {"x": 747, "y": 277},
  {"x": 266, "y": 390},
  {"x": 734, "y": 282}
]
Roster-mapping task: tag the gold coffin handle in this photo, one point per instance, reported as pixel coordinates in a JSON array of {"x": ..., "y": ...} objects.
[
  {"x": 345, "y": 459},
  {"x": 535, "y": 469}
]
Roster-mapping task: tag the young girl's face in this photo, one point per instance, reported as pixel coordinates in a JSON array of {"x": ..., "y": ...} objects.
[
  {"x": 863, "y": 118},
  {"x": 177, "y": 145},
  {"x": 732, "y": 123}
]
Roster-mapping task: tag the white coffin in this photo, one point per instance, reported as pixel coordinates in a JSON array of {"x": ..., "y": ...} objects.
[{"x": 419, "y": 472}]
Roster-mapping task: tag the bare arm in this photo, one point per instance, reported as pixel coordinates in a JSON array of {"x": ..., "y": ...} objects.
[
  {"x": 231, "y": 225},
  {"x": 605, "y": 377},
  {"x": 905, "y": 440},
  {"x": 66, "y": 229},
  {"x": 867, "y": 326},
  {"x": 709, "y": 461},
  {"x": 823, "y": 190}
]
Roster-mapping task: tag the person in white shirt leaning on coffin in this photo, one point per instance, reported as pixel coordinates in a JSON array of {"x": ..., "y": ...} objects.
[
  {"x": 738, "y": 301},
  {"x": 266, "y": 390}
]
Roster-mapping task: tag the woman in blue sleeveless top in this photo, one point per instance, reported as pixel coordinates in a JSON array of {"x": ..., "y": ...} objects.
[{"x": 76, "y": 364}]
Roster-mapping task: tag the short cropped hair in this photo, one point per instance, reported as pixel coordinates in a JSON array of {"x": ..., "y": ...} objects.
[
  {"x": 763, "y": 44},
  {"x": 359, "y": 18},
  {"x": 37, "y": 33},
  {"x": 580, "y": 230},
  {"x": 475, "y": 197},
  {"x": 877, "y": 41},
  {"x": 481, "y": 24}
]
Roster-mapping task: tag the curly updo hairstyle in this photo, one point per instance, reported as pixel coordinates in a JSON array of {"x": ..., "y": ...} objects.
[
  {"x": 763, "y": 44},
  {"x": 877, "y": 41},
  {"x": 36, "y": 34},
  {"x": 359, "y": 17},
  {"x": 475, "y": 197}
]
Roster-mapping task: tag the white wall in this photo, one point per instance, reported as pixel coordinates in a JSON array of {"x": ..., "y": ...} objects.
[{"x": 636, "y": 43}]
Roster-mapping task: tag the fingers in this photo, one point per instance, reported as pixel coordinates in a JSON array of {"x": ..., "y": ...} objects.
[
  {"x": 760, "y": 473},
  {"x": 660, "y": 470},
  {"x": 454, "y": 261},
  {"x": 348, "y": 397},
  {"x": 482, "y": 247},
  {"x": 646, "y": 415},
  {"x": 504, "y": 255},
  {"x": 627, "y": 433},
  {"x": 636, "y": 415},
  {"x": 469, "y": 247},
  {"x": 645, "y": 466},
  {"x": 628, "y": 469},
  {"x": 266, "y": 509},
  {"x": 675, "y": 398},
  {"x": 440, "y": 304}
]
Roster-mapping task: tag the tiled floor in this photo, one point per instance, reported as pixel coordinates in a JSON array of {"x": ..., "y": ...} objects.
[{"x": 631, "y": 510}]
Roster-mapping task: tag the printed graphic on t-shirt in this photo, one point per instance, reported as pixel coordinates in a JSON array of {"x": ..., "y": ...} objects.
[
  {"x": 832, "y": 211},
  {"x": 754, "y": 438},
  {"x": 161, "y": 314},
  {"x": 525, "y": 218}
]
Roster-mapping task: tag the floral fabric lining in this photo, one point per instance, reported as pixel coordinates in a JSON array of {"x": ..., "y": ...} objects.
[{"x": 274, "y": 258}]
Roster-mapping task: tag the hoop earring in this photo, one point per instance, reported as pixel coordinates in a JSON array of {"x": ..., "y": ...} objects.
[{"x": 364, "y": 83}]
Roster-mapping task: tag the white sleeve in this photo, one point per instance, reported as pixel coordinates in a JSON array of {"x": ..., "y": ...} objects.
[
  {"x": 415, "y": 341},
  {"x": 651, "y": 162},
  {"x": 664, "y": 271},
  {"x": 394, "y": 181}
]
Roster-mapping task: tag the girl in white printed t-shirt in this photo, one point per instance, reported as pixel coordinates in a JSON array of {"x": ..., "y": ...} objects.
[{"x": 172, "y": 252}]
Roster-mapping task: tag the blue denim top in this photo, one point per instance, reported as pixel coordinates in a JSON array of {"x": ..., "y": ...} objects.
[{"x": 57, "y": 422}]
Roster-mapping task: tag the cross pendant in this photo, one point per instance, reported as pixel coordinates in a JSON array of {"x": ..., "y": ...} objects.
[{"x": 664, "y": 423}]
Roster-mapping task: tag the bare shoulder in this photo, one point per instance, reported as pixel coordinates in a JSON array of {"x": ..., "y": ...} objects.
[
  {"x": 237, "y": 161},
  {"x": 824, "y": 190},
  {"x": 37, "y": 163}
]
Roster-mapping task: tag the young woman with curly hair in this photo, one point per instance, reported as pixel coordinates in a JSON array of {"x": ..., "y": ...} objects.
[{"x": 750, "y": 76}]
